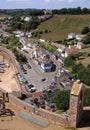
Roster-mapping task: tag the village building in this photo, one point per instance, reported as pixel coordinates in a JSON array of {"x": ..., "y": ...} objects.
[
  {"x": 46, "y": 64},
  {"x": 61, "y": 48},
  {"x": 27, "y": 19},
  {"x": 80, "y": 45},
  {"x": 28, "y": 34},
  {"x": 79, "y": 37},
  {"x": 70, "y": 50},
  {"x": 42, "y": 40},
  {"x": 23, "y": 40},
  {"x": 18, "y": 33},
  {"x": 71, "y": 36}
]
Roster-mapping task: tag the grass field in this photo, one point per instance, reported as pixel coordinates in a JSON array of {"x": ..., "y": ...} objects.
[
  {"x": 61, "y": 26},
  {"x": 85, "y": 61},
  {"x": 85, "y": 49}
]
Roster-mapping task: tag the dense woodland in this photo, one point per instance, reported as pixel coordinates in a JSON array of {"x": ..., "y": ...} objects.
[
  {"x": 36, "y": 12},
  {"x": 62, "y": 98},
  {"x": 78, "y": 70},
  {"x": 72, "y": 11}
]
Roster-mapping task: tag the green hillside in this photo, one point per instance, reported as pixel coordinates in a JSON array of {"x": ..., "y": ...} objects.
[{"x": 61, "y": 26}]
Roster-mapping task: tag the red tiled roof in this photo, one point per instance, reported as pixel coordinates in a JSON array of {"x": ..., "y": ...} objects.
[
  {"x": 71, "y": 50},
  {"x": 37, "y": 94}
]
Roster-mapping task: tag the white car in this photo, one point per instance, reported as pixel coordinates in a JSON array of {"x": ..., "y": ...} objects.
[{"x": 31, "y": 88}]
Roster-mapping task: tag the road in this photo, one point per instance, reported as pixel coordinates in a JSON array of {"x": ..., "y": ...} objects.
[{"x": 35, "y": 74}]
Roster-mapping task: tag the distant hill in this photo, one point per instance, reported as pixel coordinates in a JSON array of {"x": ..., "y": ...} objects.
[{"x": 60, "y": 26}]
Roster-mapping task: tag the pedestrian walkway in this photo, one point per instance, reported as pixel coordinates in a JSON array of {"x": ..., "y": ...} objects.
[{"x": 33, "y": 119}]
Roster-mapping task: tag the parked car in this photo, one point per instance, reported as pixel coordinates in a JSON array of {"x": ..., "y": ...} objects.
[
  {"x": 21, "y": 67},
  {"x": 24, "y": 71},
  {"x": 28, "y": 66},
  {"x": 53, "y": 83},
  {"x": 31, "y": 88},
  {"x": 43, "y": 79}
]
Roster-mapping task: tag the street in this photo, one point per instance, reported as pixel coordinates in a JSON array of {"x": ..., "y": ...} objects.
[{"x": 35, "y": 74}]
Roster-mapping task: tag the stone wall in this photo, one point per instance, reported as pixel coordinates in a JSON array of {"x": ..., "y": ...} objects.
[
  {"x": 73, "y": 110},
  {"x": 86, "y": 113},
  {"x": 21, "y": 104},
  {"x": 70, "y": 120},
  {"x": 60, "y": 119}
]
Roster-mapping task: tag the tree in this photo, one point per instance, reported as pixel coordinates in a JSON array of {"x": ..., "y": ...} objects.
[
  {"x": 5, "y": 40},
  {"x": 61, "y": 98},
  {"x": 85, "y": 11},
  {"x": 86, "y": 40},
  {"x": 85, "y": 30},
  {"x": 46, "y": 31},
  {"x": 69, "y": 61},
  {"x": 84, "y": 76},
  {"x": 76, "y": 68}
]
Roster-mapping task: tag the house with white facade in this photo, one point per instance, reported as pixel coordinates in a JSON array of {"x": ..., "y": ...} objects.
[
  {"x": 18, "y": 33},
  {"x": 23, "y": 40},
  {"x": 27, "y": 19},
  {"x": 80, "y": 45},
  {"x": 71, "y": 36},
  {"x": 46, "y": 64},
  {"x": 28, "y": 34},
  {"x": 79, "y": 37},
  {"x": 25, "y": 48},
  {"x": 42, "y": 40},
  {"x": 6, "y": 34},
  {"x": 61, "y": 48}
]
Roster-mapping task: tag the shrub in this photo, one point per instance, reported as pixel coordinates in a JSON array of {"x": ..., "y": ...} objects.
[{"x": 61, "y": 98}]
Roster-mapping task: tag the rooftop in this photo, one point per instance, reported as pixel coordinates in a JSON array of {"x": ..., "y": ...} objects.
[{"x": 76, "y": 88}]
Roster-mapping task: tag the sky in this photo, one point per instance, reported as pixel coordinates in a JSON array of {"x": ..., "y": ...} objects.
[{"x": 43, "y": 4}]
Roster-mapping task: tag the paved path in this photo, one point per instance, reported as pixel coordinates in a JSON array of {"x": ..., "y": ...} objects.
[{"x": 33, "y": 119}]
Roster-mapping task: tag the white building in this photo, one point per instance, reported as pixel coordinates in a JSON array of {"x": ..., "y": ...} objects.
[
  {"x": 46, "y": 64},
  {"x": 23, "y": 40},
  {"x": 72, "y": 36},
  {"x": 61, "y": 48},
  {"x": 27, "y": 19},
  {"x": 42, "y": 40},
  {"x": 28, "y": 34},
  {"x": 79, "y": 45},
  {"x": 25, "y": 48},
  {"x": 18, "y": 33},
  {"x": 79, "y": 37}
]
